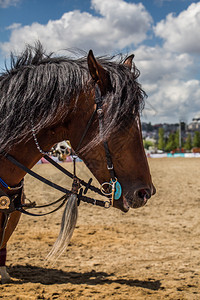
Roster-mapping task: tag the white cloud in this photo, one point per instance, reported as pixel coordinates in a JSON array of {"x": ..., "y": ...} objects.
[
  {"x": 13, "y": 26},
  {"x": 7, "y": 3},
  {"x": 168, "y": 80},
  {"x": 181, "y": 33},
  {"x": 156, "y": 63},
  {"x": 119, "y": 25},
  {"x": 174, "y": 100}
]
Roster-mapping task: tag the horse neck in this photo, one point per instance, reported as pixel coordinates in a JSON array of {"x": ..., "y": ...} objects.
[{"x": 27, "y": 153}]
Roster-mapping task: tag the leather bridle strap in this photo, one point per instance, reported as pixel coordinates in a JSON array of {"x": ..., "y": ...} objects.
[
  {"x": 87, "y": 185},
  {"x": 48, "y": 182},
  {"x": 22, "y": 210},
  {"x": 63, "y": 199},
  {"x": 86, "y": 130},
  {"x": 99, "y": 103},
  {"x": 39, "y": 177}
]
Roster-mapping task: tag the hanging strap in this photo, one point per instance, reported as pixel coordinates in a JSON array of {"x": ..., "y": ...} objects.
[{"x": 22, "y": 210}]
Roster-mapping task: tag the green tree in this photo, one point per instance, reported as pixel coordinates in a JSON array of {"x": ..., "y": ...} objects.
[
  {"x": 196, "y": 139},
  {"x": 161, "y": 139},
  {"x": 176, "y": 139},
  {"x": 147, "y": 144},
  {"x": 171, "y": 143},
  {"x": 188, "y": 142}
]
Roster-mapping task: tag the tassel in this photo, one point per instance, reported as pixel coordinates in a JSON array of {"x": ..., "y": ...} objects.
[{"x": 68, "y": 223}]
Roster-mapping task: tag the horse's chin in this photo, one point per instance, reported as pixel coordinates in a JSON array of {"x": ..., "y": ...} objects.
[
  {"x": 125, "y": 204},
  {"x": 122, "y": 204}
]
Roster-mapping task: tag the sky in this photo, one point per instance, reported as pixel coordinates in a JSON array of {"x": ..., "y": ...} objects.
[{"x": 164, "y": 35}]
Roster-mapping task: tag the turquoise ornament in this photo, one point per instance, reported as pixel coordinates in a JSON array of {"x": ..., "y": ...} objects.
[{"x": 118, "y": 190}]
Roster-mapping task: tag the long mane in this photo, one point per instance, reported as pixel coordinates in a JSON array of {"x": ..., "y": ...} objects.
[{"x": 39, "y": 86}]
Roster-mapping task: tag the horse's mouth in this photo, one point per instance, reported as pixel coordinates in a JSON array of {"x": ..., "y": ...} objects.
[
  {"x": 136, "y": 203},
  {"x": 140, "y": 199}
]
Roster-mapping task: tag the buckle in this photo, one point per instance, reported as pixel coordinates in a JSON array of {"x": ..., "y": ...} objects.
[
  {"x": 110, "y": 168},
  {"x": 100, "y": 113}
]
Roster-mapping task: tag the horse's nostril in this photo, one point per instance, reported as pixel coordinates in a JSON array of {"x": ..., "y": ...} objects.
[{"x": 144, "y": 194}]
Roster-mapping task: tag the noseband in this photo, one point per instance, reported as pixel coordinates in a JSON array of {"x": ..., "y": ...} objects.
[{"x": 111, "y": 189}]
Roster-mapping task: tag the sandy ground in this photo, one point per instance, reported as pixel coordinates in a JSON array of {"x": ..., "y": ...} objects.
[{"x": 148, "y": 253}]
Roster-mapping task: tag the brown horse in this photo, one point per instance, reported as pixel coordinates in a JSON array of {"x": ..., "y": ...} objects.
[{"x": 56, "y": 97}]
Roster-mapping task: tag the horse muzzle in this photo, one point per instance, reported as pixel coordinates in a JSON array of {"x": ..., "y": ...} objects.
[{"x": 135, "y": 199}]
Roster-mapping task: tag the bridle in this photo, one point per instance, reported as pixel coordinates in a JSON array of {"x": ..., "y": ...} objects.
[{"x": 112, "y": 190}]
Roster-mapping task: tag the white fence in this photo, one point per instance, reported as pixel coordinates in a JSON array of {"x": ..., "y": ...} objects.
[{"x": 160, "y": 155}]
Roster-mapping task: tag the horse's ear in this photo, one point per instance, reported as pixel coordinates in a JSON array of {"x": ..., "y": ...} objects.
[
  {"x": 98, "y": 73},
  {"x": 129, "y": 61}
]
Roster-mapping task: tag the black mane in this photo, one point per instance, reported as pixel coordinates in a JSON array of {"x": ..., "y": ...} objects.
[{"x": 39, "y": 86}]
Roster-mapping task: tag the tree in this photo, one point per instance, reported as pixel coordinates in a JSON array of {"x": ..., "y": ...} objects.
[
  {"x": 176, "y": 139},
  {"x": 188, "y": 142},
  {"x": 196, "y": 139},
  {"x": 171, "y": 143},
  {"x": 147, "y": 144},
  {"x": 161, "y": 139}
]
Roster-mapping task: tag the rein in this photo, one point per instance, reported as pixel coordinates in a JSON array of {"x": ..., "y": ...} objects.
[{"x": 113, "y": 186}]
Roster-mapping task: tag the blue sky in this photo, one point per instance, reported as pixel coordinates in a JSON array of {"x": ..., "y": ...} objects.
[{"x": 163, "y": 35}]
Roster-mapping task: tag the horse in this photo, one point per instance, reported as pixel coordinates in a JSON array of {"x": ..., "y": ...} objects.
[{"x": 45, "y": 99}]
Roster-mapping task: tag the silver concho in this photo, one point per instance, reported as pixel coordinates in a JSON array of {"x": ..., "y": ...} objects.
[{"x": 4, "y": 202}]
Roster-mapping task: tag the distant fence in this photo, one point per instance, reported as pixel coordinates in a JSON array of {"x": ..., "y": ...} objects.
[
  {"x": 155, "y": 155},
  {"x": 55, "y": 158},
  {"x": 187, "y": 155}
]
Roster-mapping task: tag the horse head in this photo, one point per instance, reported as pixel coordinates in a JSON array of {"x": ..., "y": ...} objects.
[
  {"x": 122, "y": 132},
  {"x": 60, "y": 108}
]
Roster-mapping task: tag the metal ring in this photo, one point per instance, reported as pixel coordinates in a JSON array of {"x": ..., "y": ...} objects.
[
  {"x": 103, "y": 191},
  {"x": 107, "y": 204}
]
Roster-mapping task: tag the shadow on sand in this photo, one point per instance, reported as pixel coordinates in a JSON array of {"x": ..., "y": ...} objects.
[{"x": 49, "y": 276}]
